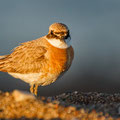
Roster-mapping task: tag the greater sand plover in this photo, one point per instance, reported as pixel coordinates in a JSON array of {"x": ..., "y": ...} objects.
[{"x": 41, "y": 61}]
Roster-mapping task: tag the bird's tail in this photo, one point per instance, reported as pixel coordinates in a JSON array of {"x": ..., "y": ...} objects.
[
  {"x": 1, "y": 57},
  {"x": 2, "y": 62}
]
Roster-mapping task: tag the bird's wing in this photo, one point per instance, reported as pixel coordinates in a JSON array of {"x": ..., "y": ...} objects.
[{"x": 26, "y": 58}]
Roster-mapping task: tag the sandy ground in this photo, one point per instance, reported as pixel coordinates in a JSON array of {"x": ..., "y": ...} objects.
[{"x": 67, "y": 106}]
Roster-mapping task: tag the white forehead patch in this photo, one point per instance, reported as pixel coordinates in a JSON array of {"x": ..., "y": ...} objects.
[{"x": 59, "y": 44}]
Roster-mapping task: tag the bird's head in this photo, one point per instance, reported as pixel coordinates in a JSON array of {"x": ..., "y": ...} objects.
[{"x": 59, "y": 32}]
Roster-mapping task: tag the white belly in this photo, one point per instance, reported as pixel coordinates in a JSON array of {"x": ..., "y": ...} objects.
[{"x": 36, "y": 78}]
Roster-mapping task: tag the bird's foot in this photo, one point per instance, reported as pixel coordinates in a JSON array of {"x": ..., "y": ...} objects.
[{"x": 33, "y": 89}]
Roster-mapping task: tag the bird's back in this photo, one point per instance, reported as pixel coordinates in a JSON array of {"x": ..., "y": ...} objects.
[{"x": 24, "y": 58}]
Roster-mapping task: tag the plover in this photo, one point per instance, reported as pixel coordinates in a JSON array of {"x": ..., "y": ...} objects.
[{"x": 41, "y": 61}]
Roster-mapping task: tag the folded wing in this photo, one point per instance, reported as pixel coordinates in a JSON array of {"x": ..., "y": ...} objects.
[{"x": 26, "y": 58}]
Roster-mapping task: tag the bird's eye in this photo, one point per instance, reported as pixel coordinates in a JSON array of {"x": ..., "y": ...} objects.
[{"x": 51, "y": 32}]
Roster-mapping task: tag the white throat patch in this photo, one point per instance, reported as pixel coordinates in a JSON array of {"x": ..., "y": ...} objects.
[{"x": 59, "y": 44}]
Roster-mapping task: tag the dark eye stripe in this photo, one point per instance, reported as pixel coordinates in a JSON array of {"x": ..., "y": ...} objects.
[
  {"x": 61, "y": 33},
  {"x": 58, "y": 35}
]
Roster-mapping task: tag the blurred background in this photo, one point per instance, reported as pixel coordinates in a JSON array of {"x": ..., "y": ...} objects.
[{"x": 95, "y": 33}]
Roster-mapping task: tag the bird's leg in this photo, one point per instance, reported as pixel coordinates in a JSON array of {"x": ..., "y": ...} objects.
[
  {"x": 32, "y": 88},
  {"x": 35, "y": 89}
]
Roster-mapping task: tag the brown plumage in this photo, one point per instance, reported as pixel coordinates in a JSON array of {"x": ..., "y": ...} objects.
[{"x": 39, "y": 62}]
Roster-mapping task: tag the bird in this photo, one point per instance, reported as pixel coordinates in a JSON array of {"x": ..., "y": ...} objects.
[{"x": 42, "y": 61}]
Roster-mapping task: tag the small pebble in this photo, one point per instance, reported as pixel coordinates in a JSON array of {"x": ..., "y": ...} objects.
[{"x": 21, "y": 96}]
